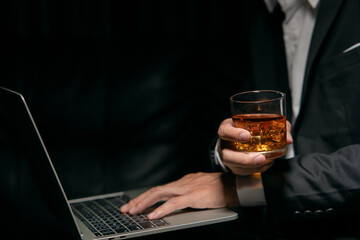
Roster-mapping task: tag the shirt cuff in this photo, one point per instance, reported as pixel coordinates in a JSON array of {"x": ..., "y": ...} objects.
[
  {"x": 218, "y": 161},
  {"x": 250, "y": 190}
]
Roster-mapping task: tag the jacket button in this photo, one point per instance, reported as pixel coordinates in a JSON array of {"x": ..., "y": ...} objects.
[
  {"x": 308, "y": 213},
  {"x": 297, "y": 214},
  {"x": 330, "y": 211},
  {"x": 319, "y": 213}
]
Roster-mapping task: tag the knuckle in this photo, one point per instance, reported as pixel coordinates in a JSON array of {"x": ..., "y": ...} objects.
[
  {"x": 173, "y": 202},
  {"x": 188, "y": 176},
  {"x": 139, "y": 205},
  {"x": 223, "y": 126},
  {"x": 220, "y": 132},
  {"x": 158, "y": 189}
]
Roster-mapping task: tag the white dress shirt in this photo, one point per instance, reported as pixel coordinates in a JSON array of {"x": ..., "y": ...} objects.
[{"x": 300, "y": 16}]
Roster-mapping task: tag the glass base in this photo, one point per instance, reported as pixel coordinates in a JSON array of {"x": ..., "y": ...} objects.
[{"x": 270, "y": 155}]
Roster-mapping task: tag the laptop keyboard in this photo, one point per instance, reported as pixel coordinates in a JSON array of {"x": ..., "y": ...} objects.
[{"x": 103, "y": 217}]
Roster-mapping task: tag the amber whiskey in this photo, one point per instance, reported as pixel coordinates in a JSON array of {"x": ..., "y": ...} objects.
[{"x": 268, "y": 133}]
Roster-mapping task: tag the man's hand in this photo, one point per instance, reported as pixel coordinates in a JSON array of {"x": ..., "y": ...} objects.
[
  {"x": 197, "y": 190},
  {"x": 242, "y": 163}
]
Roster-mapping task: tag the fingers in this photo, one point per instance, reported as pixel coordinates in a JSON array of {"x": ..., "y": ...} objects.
[
  {"x": 150, "y": 197},
  {"x": 145, "y": 200},
  {"x": 170, "y": 206},
  {"x": 244, "y": 163},
  {"x": 289, "y": 138},
  {"x": 245, "y": 160},
  {"x": 156, "y": 194},
  {"x": 227, "y": 131}
]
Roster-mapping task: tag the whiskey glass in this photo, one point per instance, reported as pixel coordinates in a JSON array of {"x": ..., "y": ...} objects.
[{"x": 263, "y": 114}]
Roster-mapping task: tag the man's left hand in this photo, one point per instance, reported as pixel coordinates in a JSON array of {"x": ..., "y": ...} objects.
[{"x": 196, "y": 190}]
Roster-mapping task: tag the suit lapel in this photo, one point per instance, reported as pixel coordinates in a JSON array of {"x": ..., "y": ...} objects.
[{"x": 328, "y": 10}]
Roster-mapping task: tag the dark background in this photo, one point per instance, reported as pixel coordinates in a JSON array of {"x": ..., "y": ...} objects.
[{"x": 126, "y": 94}]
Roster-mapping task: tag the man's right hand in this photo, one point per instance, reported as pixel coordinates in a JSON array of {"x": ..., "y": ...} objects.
[{"x": 238, "y": 162}]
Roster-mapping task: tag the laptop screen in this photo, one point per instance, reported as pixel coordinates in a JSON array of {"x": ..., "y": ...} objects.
[{"x": 29, "y": 184}]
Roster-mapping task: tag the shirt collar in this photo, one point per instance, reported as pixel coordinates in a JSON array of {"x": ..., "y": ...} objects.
[{"x": 271, "y": 4}]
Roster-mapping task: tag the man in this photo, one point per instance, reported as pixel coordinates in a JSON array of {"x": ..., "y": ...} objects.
[{"x": 318, "y": 66}]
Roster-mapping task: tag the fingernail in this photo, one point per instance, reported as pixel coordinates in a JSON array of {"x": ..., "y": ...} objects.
[
  {"x": 244, "y": 137},
  {"x": 124, "y": 208},
  {"x": 259, "y": 159},
  {"x": 132, "y": 210}
]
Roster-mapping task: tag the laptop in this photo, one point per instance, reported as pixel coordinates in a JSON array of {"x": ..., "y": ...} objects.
[{"x": 94, "y": 217}]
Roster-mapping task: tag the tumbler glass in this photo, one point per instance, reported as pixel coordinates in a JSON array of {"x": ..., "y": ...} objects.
[{"x": 262, "y": 113}]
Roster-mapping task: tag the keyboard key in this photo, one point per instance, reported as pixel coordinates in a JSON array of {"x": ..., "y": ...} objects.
[
  {"x": 120, "y": 229},
  {"x": 147, "y": 225},
  {"x": 133, "y": 227},
  {"x": 160, "y": 222}
]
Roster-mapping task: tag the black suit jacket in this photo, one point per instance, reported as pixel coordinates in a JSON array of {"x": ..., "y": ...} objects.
[{"x": 322, "y": 183}]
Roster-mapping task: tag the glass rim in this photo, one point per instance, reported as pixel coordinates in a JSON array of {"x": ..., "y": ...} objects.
[{"x": 282, "y": 96}]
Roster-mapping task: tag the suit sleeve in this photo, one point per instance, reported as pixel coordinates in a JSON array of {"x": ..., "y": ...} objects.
[{"x": 314, "y": 185}]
